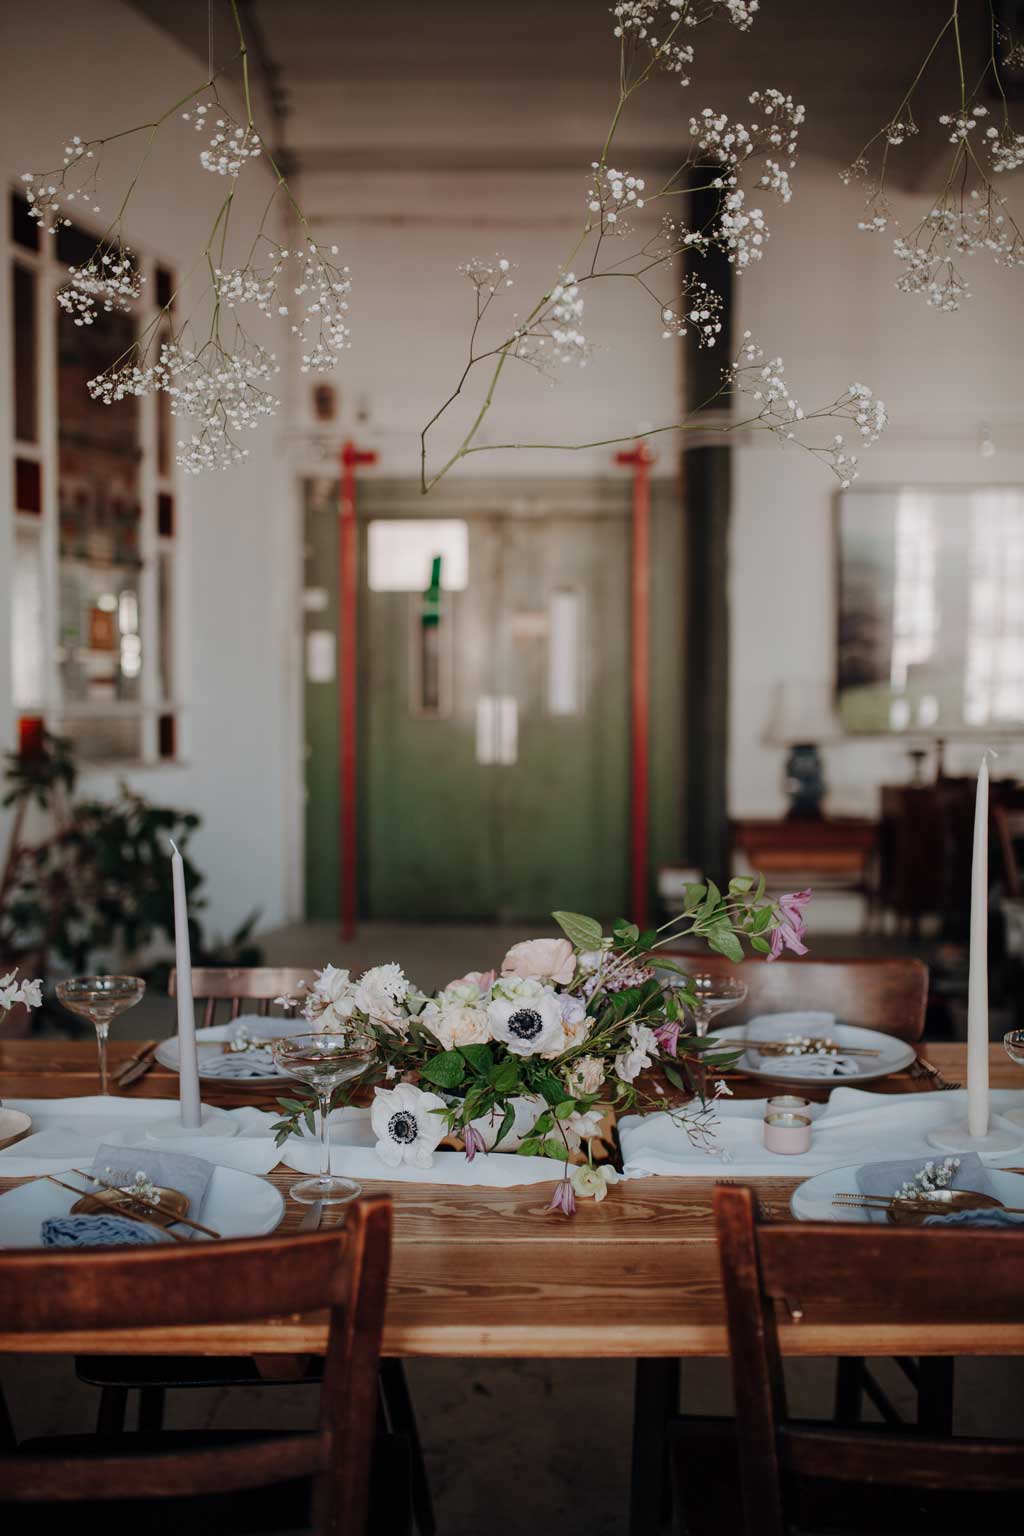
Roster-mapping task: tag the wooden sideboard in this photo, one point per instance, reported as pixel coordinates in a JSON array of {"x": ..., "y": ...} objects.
[{"x": 834, "y": 853}]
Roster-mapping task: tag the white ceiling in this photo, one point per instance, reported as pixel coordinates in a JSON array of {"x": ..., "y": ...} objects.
[{"x": 517, "y": 84}]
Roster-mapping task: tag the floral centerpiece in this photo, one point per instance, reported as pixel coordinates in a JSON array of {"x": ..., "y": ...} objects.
[{"x": 530, "y": 1059}]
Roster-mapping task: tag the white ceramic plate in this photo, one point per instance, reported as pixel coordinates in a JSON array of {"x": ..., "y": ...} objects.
[
  {"x": 893, "y": 1055},
  {"x": 210, "y": 1044},
  {"x": 236, "y": 1205},
  {"x": 812, "y": 1200}
]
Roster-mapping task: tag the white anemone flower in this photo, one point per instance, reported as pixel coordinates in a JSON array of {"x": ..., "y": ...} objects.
[
  {"x": 406, "y": 1127},
  {"x": 528, "y": 1023}
]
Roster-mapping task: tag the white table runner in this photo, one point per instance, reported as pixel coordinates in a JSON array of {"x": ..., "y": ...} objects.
[
  {"x": 66, "y": 1133},
  {"x": 855, "y": 1126}
]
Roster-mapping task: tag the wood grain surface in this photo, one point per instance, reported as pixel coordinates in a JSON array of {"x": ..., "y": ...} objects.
[{"x": 490, "y": 1272}]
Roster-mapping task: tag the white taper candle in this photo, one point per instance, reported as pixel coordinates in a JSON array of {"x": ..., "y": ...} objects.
[
  {"x": 977, "y": 985},
  {"x": 188, "y": 1059}
]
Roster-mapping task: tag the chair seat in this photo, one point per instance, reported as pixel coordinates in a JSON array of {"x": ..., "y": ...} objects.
[
  {"x": 707, "y": 1497},
  {"x": 281, "y": 1508}
]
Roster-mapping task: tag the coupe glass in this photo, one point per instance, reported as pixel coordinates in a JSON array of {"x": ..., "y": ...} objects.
[
  {"x": 100, "y": 999},
  {"x": 323, "y": 1061},
  {"x": 1013, "y": 1045},
  {"x": 715, "y": 995}
]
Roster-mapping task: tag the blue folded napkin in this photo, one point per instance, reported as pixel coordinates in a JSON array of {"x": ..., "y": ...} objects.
[
  {"x": 121, "y": 1166},
  {"x": 886, "y": 1178},
  {"x": 98, "y": 1232}
]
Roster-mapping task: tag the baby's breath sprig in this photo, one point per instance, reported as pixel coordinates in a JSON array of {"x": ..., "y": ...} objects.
[
  {"x": 216, "y": 374},
  {"x": 968, "y": 216},
  {"x": 744, "y": 162}
]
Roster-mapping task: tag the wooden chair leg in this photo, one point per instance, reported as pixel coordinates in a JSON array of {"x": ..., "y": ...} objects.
[
  {"x": 849, "y": 1389},
  {"x": 112, "y": 1409},
  {"x": 655, "y": 1403},
  {"x": 151, "y": 1410},
  {"x": 935, "y": 1390},
  {"x": 401, "y": 1415}
]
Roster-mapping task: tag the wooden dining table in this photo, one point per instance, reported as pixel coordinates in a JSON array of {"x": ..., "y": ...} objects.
[{"x": 479, "y": 1271}]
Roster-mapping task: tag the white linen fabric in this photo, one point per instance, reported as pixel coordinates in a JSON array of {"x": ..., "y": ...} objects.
[
  {"x": 68, "y": 1132},
  {"x": 852, "y": 1127},
  {"x": 809, "y": 1066},
  {"x": 352, "y": 1154}
]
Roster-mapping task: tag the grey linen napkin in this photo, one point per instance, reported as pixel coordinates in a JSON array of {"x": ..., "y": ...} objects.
[
  {"x": 119, "y": 1165},
  {"x": 886, "y": 1178}
]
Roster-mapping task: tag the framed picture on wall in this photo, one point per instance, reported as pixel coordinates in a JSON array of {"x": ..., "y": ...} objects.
[{"x": 930, "y": 609}]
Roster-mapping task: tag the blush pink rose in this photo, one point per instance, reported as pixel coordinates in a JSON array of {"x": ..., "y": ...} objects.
[
  {"x": 482, "y": 980},
  {"x": 542, "y": 959}
]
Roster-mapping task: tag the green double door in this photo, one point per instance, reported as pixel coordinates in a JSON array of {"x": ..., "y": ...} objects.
[{"x": 493, "y": 750}]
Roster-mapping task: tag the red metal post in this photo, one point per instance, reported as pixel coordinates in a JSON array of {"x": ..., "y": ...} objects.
[
  {"x": 348, "y": 561},
  {"x": 640, "y": 459}
]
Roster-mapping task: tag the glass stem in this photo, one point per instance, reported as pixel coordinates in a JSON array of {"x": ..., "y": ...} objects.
[
  {"x": 102, "y": 1030},
  {"x": 325, "y": 1137}
]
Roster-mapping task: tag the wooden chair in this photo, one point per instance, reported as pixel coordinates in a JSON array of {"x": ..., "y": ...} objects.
[
  {"x": 257, "y": 986},
  {"x": 875, "y": 1478},
  {"x": 152, "y": 1376},
  {"x": 346, "y": 1272},
  {"x": 887, "y": 995}
]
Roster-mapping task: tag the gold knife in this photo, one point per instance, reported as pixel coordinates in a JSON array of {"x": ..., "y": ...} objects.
[{"x": 136, "y": 1066}]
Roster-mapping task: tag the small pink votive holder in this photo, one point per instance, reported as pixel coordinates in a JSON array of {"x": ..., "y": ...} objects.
[
  {"x": 787, "y": 1103},
  {"x": 787, "y": 1132}
]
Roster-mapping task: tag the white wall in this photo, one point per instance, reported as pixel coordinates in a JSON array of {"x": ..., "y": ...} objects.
[
  {"x": 824, "y": 298},
  {"x": 92, "y": 69}
]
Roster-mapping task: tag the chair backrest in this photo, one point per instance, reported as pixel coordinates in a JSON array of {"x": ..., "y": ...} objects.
[
  {"x": 61, "y": 1293},
  {"x": 927, "y": 1275},
  {"x": 1009, "y": 828},
  {"x": 258, "y": 985},
  {"x": 887, "y": 995}
]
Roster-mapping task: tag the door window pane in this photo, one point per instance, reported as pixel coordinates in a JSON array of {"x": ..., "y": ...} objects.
[
  {"x": 401, "y": 554},
  {"x": 565, "y": 653}
]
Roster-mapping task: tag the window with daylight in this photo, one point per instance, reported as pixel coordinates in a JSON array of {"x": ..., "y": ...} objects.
[
  {"x": 931, "y": 609},
  {"x": 95, "y": 509}
]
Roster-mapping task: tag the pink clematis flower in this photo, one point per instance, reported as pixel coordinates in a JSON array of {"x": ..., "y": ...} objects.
[
  {"x": 667, "y": 1036},
  {"x": 474, "y": 1142},
  {"x": 789, "y": 933},
  {"x": 564, "y": 1198}
]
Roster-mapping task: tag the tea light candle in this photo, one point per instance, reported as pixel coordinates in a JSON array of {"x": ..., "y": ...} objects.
[
  {"x": 787, "y": 1102},
  {"x": 787, "y": 1132}
]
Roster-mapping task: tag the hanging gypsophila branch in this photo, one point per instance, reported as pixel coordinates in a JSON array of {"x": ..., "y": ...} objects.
[
  {"x": 214, "y": 372},
  {"x": 745, "y": 162},
  {"x": 969, "y": 216}
]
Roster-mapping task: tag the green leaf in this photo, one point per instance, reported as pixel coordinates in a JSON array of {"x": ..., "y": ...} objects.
[
  {"x": 294, "y": 1105},
  {"x": 714, "y": 896},
  {"x": 625, "y": 932},
  {"x": 724, "y": 942},
  {"x": 479, "y": 1057},
  {"x": 662, "y": 964},
  {"x": 647, "y": 939},
  {"x": 445, "y": 1071},
  {"x": 508, "y": 1121},
  {"x": 565, "y": 1109},
  {"x": 761, "y": 945},
  {"x": 529, "y": 1147},
  {"x": 505, "y": 1076},
  {"x": 762, "y": 920},
  {"x": 552, "y": 1090},
  {"x": 554, "y": 1147},
  {"x": 694, "y": 895},
  {"x": 310, "y": 1120},
  {"x": 542, "y": 1124},
  {"x": 581, "y": 931},
  {"x": 739, "y": 885},
  {"x": 674, "y": 1076}
]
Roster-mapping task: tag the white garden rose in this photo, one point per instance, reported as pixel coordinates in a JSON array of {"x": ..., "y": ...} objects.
[
  {"x": 528, "y": 1023},
  {"x": 406, "y": 1127},
  {"x": 593, "y": 1181},
  {"x": 585, "y": 1075},
  {"x": 576, "y": 1025},
  {"x": 456, "y": 1024}
]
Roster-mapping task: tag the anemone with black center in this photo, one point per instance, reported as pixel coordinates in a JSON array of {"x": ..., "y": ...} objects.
[
  {"x": 402, "y": 1127},
  {"x": 525, "y": 1024}
]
